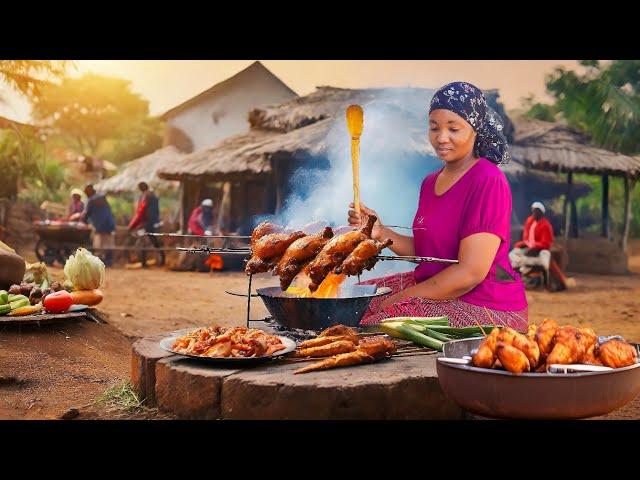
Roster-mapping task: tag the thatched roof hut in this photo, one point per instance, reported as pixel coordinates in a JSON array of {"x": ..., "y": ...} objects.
[
  {"x": 555, "y": 147},
  {"x": 143, "y": 169}
]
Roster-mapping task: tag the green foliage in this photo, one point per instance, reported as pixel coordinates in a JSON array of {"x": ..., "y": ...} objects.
[
  {"x": 30, "y": 76},
  {"x": 540, "y": 111},
  {"x": 122, "y": 207},
  {"x": 91, "y": 109},
  {"x": 603, "y": 102},
  {"x": 143, "y": 137}
]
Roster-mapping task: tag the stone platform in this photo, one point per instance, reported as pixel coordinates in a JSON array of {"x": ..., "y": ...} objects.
[{"x": 400, "y": 388}]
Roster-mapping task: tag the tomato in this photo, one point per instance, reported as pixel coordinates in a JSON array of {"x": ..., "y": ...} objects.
[{"x": 58, "y": 302}]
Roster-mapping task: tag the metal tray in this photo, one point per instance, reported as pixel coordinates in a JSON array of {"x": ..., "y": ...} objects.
[
  {"x": 501, "y": 394},
  {"x": 231, "y": 362}
]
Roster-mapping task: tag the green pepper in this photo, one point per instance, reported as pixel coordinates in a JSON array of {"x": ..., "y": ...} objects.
[
  {"x": 4, "y": 309},
  {"x": 23, "y": 302},
  {"x": 4, "y": 297}
]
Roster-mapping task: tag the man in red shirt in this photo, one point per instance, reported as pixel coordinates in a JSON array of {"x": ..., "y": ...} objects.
[{"x": 537, "y": 237}]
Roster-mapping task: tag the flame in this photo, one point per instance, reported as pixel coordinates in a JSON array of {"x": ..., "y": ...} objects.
[
  {"x": 215, "y": 262},
  {"x": 327, "y": 289}
]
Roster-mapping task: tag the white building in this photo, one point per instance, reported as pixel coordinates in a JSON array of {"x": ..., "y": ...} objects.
[{"x": 221, "y": 111}]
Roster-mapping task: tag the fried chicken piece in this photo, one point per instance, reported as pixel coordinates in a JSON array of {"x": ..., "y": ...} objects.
[
  {"x": 506, "y": 335},
  {"x": 363, "y": 257},
  {"x": 265, "y": 228},
  {"x": 486, "y": 354},
  {"x": 319, "y": 341},
  {"x": 377, "y": 346},
  {"x": 338, "y": 330},
  {"x": 335, "y": 251},
  {"x": 544, "y": 337},
  {"x": 298, "y": 254},
  {"x": 616, "y": 353},
  {"x": 356, "y": 357},
  {"x": 590, "y": 357},
  {"x": 511, "y": 358},
  {"x": 527, "y": 346},
  {"x": 571, "y": 345},
  {"x": 531, "y": 332},
  {"x": 333, "y": 348}
]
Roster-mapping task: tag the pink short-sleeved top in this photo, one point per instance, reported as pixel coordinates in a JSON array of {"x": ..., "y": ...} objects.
[{"x": 480, "y": 201}]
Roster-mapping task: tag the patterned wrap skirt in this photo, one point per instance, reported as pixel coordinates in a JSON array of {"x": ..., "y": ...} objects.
[{"x": 460, "y": 314}]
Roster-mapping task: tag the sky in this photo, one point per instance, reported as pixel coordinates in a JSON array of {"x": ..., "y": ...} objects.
[{"x": 167, "y": 83}]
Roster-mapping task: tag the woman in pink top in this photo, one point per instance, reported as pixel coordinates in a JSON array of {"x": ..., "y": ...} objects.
[{"x": 464, "y": 212}]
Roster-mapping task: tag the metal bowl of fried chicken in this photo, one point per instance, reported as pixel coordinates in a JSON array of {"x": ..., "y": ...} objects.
[{"x": 573, "y": 375}]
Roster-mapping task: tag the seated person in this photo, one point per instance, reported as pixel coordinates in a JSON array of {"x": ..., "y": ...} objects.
[
  {"x": 534, "y": 248},
  {"x": 201, "y": 221},
  {"x": 76, "y": 207}
]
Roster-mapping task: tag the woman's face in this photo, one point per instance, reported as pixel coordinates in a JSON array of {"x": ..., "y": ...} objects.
[{"x": 450, "y": 135}]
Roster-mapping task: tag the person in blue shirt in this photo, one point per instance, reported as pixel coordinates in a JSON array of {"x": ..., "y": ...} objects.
[{"x": 98, "y": 213}]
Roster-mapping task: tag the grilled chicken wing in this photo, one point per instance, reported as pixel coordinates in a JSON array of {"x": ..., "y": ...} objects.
[
  {"x": 529, "y": 347},
  {"x": 335, "y": 251},
  {"x": 363, "y": 257},
  {"x": 590, "y": 356},
  {"x": 616, "y": 353},
  {"x": 257, "y": 265},
  {"x": 343, "y": 360},
  {"x": 511, "y": 358},
  {"x": 298, "y": 254}
]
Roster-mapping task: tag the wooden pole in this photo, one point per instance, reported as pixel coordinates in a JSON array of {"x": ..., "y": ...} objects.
[
  {"x": 566, "y": 211},
  {"x": 628, "y": 191},
  {"x": 574, "y": 218},
  {"x": 605, "y": 206},
  {"x": 183, "y": 208}
]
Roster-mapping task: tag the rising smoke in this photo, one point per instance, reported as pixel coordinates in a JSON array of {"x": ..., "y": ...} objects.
[{"x": 394, "y": 159}]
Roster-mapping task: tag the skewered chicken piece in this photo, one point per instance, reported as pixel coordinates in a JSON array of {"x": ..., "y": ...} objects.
[
  {"x": 343, "y": 360},
  {"x": 531, "y": 332},
  {"x": 545, "y": 336},
  {"x": 527, "y": 346},
  {"x": 318, "y": 341},
  {"x": 571, "y": 345},
  {"x": 377, "y": 347},
  {"x": 616, "y": 353},
  {"x": 328, "y": 350},
  {"x": 268, "y": 249},
  {"x": 274, "y": 244},
  {"x": 335, "y": 251},
  {"x": 265, "y": 228},
  {"x": 511, "y": 358},
  {"x": 298, "y": 255},
  {"x": 363, "y": 257},
  {"x": 338, "y": 330},
  {"x": 369, "y": 350}
]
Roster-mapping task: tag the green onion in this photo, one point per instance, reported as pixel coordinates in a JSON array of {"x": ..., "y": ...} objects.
[
  {"x": 419, "y": 338},
  {"x": 437, "y": 335}
]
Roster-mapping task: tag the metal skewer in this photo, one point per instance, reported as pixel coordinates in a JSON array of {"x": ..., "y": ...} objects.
[
  {"x": 184, "y": 235},
  {"x": 240, "y": 251}
]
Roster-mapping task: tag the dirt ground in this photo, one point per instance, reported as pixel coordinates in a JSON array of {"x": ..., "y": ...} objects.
[{"x": 45, "y": 371}]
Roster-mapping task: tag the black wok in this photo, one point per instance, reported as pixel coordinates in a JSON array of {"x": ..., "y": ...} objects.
[{"x": 293, "y": 312}]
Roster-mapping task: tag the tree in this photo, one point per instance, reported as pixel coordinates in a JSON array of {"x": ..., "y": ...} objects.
[
  {"x": 90, "y": 109},
  {"x": 603, "y": 102},
  {"x": 29, "y": 76}
]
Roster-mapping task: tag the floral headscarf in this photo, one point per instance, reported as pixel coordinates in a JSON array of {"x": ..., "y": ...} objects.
[{"x": 469, "y": 102}]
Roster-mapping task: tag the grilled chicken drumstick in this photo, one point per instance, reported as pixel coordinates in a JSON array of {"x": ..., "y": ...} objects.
[
  {"x": 299, "y": 254},
  {"x": 616, "y": 353},
  {"x": 363, "y": 257},
  {"x": 335, "y": 251},
  {"x": 268, "y": 249}
]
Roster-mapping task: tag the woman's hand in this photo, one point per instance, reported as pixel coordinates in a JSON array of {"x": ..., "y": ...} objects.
[{"x": 356, "y": 220}]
